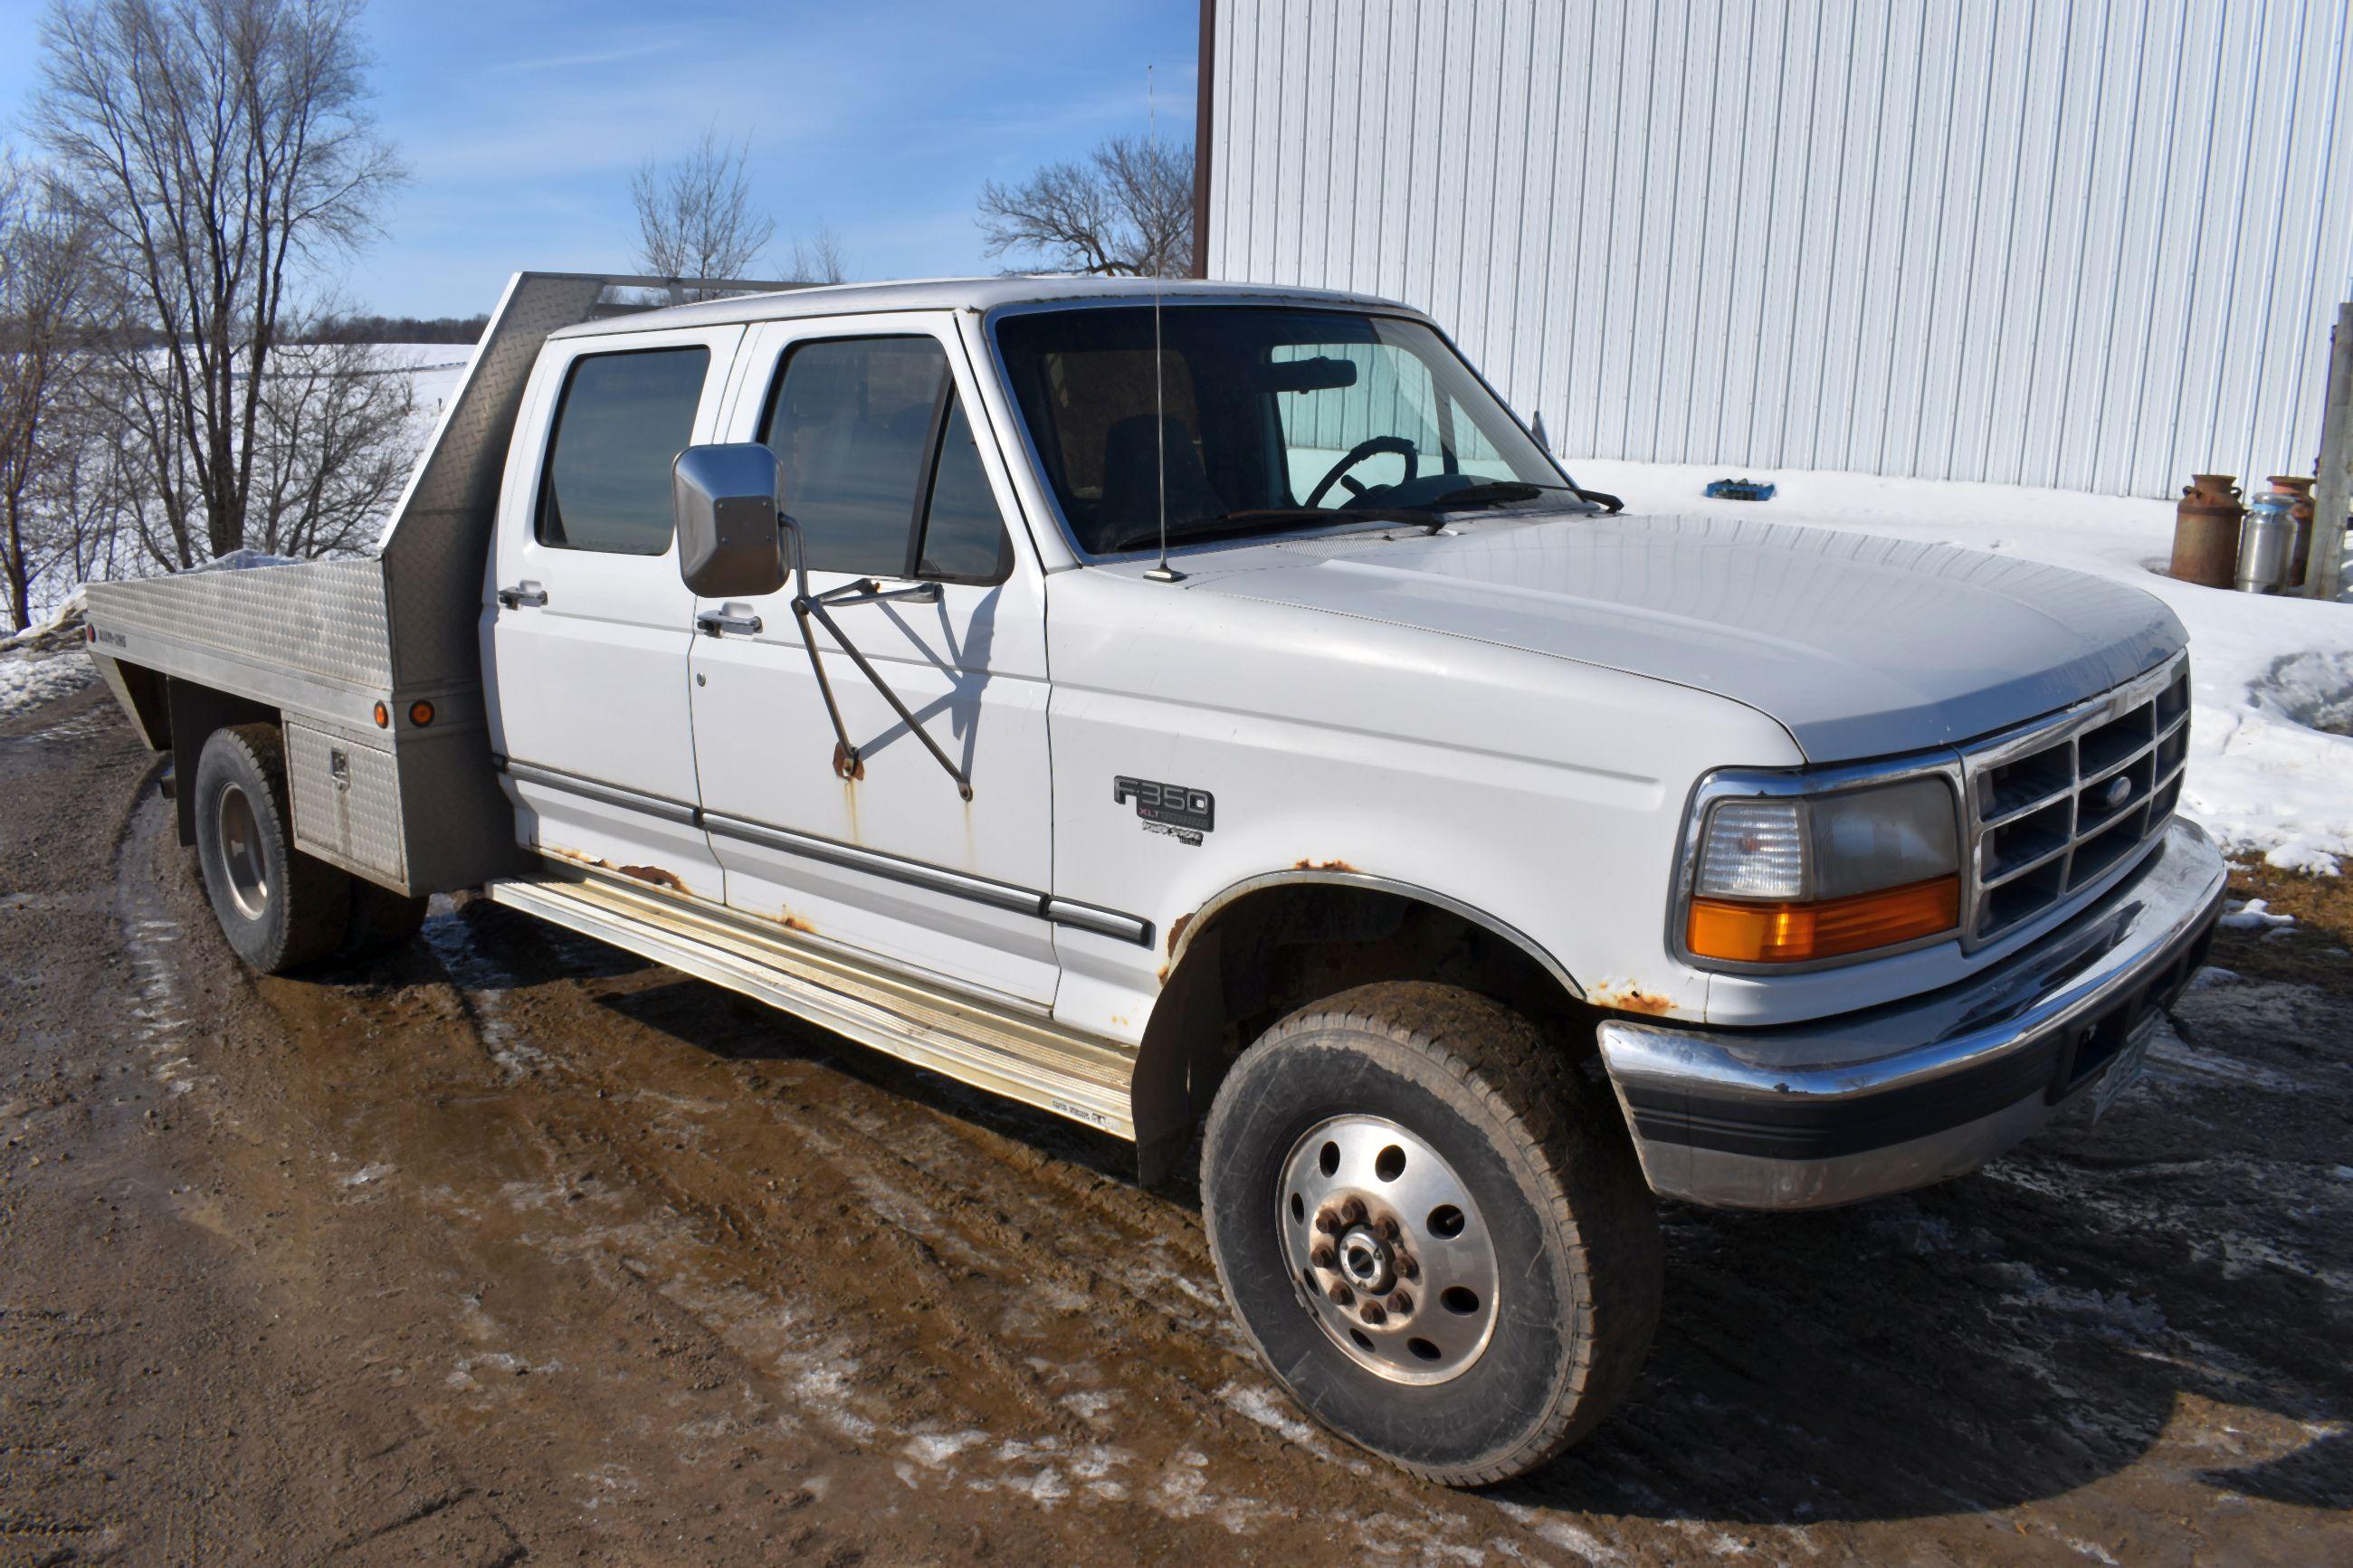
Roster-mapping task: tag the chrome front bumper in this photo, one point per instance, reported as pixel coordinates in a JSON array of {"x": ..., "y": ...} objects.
[{"x": 1809, "y": 1115}]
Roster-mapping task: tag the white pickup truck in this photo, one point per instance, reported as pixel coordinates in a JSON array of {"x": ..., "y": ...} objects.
[{"x": 1474, "y": 863}]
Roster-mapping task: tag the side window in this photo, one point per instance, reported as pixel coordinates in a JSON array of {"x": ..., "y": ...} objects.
[
  {"x": 963, "y": 534},
  {"x": 622, "y": 421},
  {"x": 880, "y": 468}
]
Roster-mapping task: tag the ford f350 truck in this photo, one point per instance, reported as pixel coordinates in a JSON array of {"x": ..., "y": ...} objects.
[{"x": 1203, "y": 710}]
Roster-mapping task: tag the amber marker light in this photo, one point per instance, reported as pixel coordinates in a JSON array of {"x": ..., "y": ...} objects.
[
  {"x": 420, "y": 714},
  {"x": 383, "y": 717},
  {"x": 1783, "y": 932}
]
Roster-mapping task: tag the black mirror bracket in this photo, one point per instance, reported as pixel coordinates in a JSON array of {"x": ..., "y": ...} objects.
[{"x": 809, "y": 607}]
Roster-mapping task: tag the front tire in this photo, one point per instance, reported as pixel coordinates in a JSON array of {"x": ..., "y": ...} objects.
[
  {"x": 280, "y": 908},
  {"x": 1433, "y": 1231}
]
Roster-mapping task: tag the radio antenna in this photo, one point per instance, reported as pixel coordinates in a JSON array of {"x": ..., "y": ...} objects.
[{"x": 1162, "y": 573}]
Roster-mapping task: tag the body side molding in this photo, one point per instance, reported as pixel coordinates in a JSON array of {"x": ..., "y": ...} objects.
[{"x": 851, "y": 857}]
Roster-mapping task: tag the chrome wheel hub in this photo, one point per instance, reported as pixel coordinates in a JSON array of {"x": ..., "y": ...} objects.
[
  {"x": 242, "y": 866},
  {"x": 1366, "y": 1259},
  {"x": 1388, "y": 1250}
]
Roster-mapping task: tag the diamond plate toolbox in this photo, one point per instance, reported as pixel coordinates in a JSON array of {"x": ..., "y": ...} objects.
[{"x": 346, "y": 794}]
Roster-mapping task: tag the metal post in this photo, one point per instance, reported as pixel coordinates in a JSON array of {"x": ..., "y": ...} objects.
[
  {"x": 1205, "y": 77},
  {"x": 2333, "y": 494}
]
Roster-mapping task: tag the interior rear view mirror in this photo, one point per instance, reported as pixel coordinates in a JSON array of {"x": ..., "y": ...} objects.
[
  {"x": 725, "y": 501},
  {"x": 1322, "y": 373}
]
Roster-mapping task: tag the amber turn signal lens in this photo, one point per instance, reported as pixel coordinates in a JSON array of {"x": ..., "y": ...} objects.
[
  {"x": 383, "y": 717},
  {"x": 1793, "y": 933},
  {"x": 420, "y": 714}
]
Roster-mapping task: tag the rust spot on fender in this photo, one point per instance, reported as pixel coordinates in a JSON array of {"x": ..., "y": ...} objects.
[
  {"x": 1321, "y": 866},
  {"x": 1176, "y": 937},
  {"x": 792, "y": 921},
  {"x": 1631, "y": 999}
]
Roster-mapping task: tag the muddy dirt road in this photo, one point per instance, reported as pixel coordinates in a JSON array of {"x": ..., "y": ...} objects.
[{"x": 512, "y": 1247}]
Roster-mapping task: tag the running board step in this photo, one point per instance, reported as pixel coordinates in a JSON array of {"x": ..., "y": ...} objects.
[{"x": 1021, "y": 1056}]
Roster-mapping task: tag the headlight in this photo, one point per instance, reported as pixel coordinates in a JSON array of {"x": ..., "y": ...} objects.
[{"x": 1788, "y": 879}]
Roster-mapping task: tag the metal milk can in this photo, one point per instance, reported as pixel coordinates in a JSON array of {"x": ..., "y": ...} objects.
[{"x": 2265, "y": 540}]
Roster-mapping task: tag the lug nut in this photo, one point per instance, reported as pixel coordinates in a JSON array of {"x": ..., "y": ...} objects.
[
  {"x": 1386, "y": 1229},
  {"x": 1322, "y": 1258},
  {"x": 1327, "y": 1222},
  {"x": 1352, "y": 1212},
  {"x": 1375, "y": 1314},
  {"x": 1341, "y": 1295},
  {"x": 1407, "y": 1268},
  {"x": 1401, "y": 1303}
]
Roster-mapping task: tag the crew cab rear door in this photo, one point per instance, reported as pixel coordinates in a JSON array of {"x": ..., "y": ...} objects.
[
  {"x": 893, "y": 475},
  {"x": 587, "y": 633}
]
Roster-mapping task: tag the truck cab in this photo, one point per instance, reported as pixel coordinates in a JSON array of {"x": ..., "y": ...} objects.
[{"x": 1201, "y": 711}]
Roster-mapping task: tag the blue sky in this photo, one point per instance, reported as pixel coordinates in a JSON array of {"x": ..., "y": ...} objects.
[{"x": 520, "y": 121}]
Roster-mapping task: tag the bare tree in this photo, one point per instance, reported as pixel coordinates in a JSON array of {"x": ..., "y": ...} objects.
[
  {"x": 49, "y": 294},
  {"x": 818, "y": 259},
  {"x": 336, "y": 441},
  {"x": 1126, "y": 208},
  {"x": 225, "y": 148},
  {"x": 695, "y": 216}
]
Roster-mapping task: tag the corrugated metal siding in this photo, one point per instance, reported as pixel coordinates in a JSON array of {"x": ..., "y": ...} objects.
[{"x": 2095, "y": 244}]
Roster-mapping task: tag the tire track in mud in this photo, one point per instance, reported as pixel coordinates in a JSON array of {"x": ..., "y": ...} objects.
[{"x": 964, "y": 1217}]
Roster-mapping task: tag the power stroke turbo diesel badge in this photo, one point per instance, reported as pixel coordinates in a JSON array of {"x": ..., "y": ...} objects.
[{"x": 1177, "y": 810}]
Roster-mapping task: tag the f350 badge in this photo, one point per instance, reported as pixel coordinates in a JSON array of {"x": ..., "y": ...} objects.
[{"x": 1179, "y": 811}]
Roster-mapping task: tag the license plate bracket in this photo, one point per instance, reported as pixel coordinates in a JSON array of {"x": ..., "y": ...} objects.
[{"x": 2125, "y": 1069}]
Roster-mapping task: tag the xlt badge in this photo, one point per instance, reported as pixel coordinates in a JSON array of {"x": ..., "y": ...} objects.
[{"x": 1177, "y": 810}]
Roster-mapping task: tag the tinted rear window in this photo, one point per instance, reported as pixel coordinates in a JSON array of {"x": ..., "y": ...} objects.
[{"x": 623, "y": 420}]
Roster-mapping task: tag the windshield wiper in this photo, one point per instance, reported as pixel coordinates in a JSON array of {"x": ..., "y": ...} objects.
[
  {"x": 1494, "y": 492},
  {"x": 1430, "y": 515},
  {"x": 1234, "y": 522}
]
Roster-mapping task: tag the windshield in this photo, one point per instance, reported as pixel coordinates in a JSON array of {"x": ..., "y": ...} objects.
[{"x": 1272, "y": 420}]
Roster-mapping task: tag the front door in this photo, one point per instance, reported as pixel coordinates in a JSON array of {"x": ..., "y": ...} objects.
[
  {"x": 889, "y": 478},
  {"x": 585, "y": 655}
]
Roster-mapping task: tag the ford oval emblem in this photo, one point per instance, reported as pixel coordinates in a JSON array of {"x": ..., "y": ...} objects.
[{"x": 2118, "y": 791}]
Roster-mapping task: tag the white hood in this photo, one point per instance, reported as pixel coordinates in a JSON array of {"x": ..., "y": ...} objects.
[{"x": 1859, "y": 646}]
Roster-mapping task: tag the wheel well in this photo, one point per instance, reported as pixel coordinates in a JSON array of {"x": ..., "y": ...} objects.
[
  {"x": 195, "y": 712},
  {"x": 1270, "y": 951}
]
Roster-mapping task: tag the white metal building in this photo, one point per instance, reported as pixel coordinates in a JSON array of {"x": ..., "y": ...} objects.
[{"x": 2095, "y": 244}]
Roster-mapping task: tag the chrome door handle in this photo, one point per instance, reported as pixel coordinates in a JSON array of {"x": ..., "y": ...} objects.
[
  {"x": 713, "y": 623},
  {"x": 523, "y": 593}
]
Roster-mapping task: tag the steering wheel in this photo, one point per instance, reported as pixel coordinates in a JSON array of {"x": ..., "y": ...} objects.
[{"x": 1357, "y": 453}]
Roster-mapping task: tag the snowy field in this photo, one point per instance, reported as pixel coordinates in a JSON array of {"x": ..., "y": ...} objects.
[
  {"x": 2271, "y": 771},
  {"x": 2270, "y": 759}
]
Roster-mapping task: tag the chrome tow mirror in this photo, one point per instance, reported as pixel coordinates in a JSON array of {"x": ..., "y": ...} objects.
[{"x": 724, "y": 500}]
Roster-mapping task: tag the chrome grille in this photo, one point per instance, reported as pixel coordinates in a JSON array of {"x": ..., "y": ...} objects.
[{"x": 2065, "y": 806}]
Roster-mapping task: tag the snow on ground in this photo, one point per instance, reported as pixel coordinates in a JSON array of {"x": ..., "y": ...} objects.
[
  {"x": 44, "y": 662},
  {"x": 2270, "y": 760},
  {"x": 435, "y": 369}
]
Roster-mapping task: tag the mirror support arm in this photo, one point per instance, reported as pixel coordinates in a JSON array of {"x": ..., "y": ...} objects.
[{"x": 812, "y": 607}]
